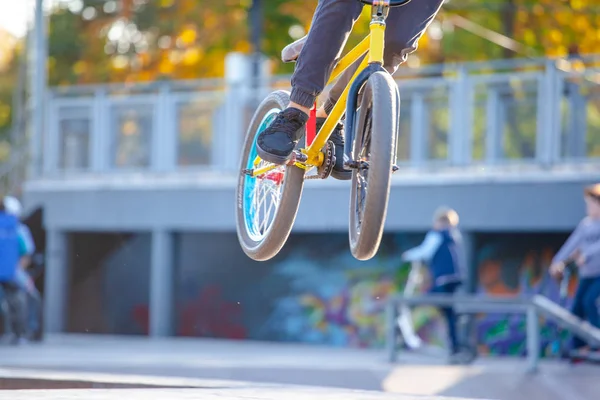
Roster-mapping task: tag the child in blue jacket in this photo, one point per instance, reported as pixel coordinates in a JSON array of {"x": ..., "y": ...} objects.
[{"x": 443, "y": 253}]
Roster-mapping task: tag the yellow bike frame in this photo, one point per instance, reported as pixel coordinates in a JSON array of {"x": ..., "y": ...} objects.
[{"x": 373, "y": 45}]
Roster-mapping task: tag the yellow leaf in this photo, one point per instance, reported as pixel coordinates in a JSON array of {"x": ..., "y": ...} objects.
[
  {"x": 529, "y": 37},
  {"x": 192, "y": 56},
  {"x": 165, "y": 67},
  {"x": 188, "y": 36},
  {"x": 556, "y": 36},
  {"x": 4, "y": 113},
  {"x": 577, "y": 4},
  {"x": 243, "y": 46},
  {"x": 79, "y": 67},
  {"x": 581, "y": 23},
  {"x": 558, "y": 51},
  {"x": 563, "y": 17}
]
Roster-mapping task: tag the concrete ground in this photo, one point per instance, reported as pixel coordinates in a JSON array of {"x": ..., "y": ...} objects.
[{"x": 277, "y": 363}]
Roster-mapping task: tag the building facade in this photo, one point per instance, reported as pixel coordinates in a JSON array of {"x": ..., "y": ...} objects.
[{"x": 137, "y": 189}]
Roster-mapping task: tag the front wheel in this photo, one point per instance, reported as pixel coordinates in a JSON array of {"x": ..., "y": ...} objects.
[
  {"x": 267, "y": 204},
  {"x": 374, "y": 145}
]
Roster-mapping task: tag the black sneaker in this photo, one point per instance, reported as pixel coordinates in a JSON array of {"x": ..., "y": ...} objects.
[
  {"x": 276, "y": 143},
  {"x": 337, "y": 137}
]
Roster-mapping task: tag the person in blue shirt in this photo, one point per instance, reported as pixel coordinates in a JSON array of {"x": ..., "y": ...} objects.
[
  {"x": 22, "y": 279},
  {"x": 442, "y": 251},
  {"x": 9, "y": 265}
]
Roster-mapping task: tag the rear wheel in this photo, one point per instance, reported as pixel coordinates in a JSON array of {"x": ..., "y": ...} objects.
[
  {"x": 267, "y": 204},
  {"x": 373, "y": 146}
]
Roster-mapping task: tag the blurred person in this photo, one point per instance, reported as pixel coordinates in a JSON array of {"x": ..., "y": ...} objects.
[
  {"x": 583, "y": 248},
  {"x": 14, "y": 297},
  {"x": 442, "y": 251},
  {"x": 23, "y": 279},
  {"x": 320, "y": 50}
]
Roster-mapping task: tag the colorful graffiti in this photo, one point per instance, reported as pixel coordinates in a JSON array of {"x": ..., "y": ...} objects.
[
  {"x": 516, "y": 265},
  {"x": 315, "y": 292},
  {"x": 340, "y": 302}
]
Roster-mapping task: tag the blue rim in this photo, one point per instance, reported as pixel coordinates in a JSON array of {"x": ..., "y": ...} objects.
[{"x": 250, "y": 182}]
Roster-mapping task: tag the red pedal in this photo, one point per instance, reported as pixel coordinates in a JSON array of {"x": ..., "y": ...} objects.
[{"x": 311, "y": 126}]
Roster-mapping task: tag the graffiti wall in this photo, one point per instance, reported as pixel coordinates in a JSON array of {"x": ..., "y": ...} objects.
[
  {"x": 316, "y": 292},
  {"x": 510, "y": 265}
]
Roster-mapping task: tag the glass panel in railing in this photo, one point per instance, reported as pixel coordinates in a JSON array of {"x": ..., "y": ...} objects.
[
  {"x": 74, "y": 130},
  {"x": 580, "y": 138},
  {"x": 593, "y": 124},
  {"x": 437, "y": 125},
  {"x": 518, "y": 120},
  {"x": 403, "y": 145},
  {"x": 195, "y": 123},
  {"x": 479, "y": 123},
  {"x": 132, "y": 130}
]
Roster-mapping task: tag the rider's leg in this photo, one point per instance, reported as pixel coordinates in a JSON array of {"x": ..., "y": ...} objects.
[
  {"x": 405, "y": 26},
  {"x": 449, "y": 315},
  {"x": 591, "y": 302},
  {"x": 331, "y": 25},
  {"x": 578, "y": 310}
]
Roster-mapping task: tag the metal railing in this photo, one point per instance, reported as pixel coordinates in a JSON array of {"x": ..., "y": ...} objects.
[
  {"x": 541, "y": 113},
  {"x": 464, "y": 304}
]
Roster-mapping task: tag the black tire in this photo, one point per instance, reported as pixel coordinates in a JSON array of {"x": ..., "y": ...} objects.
[
  {"x": 269, "y": 245},
  {"x": 376, "y": 129}
]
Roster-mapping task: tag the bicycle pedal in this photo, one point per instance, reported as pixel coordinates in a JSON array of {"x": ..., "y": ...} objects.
[{"x": 357, "y": 164}]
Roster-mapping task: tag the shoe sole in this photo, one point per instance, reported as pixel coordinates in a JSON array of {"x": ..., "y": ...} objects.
[
  {"x": 272, "y": 158},
  {"x": 281, "y": 160}
]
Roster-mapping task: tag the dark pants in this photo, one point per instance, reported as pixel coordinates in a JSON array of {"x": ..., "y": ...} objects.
[
  {"x": 16, "y": 300},
  {"x": 449, "y": 314},
  {"x": 331, "y": 26},
  {"x": 586, "y": 305}
]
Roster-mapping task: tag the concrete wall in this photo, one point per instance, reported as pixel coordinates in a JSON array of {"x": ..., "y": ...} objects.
[{"x": 510, "y": 202}]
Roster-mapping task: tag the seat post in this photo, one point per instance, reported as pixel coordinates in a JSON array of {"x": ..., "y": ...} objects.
[{"x": 379, "y": 12}]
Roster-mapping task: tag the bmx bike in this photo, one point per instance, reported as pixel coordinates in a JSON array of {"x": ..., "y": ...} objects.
[{"x": 268, "y": 195}]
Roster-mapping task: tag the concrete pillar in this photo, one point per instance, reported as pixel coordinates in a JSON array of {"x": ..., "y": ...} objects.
[
  {"x": 470, "y": 261},
  {"x": 161, "y": 284},
  {"x": 56, "y": 287},
  {"x": 241, "y": 101},
  {"x": 469, "y": 322},
  {"x": 38, "y": 76}
]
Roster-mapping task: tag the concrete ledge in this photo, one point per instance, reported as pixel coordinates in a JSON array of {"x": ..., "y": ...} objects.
[
  {"x": 282, "y": 393},
  {"x": 18, "y": 384},
  {"x": 17, "y": 379}
]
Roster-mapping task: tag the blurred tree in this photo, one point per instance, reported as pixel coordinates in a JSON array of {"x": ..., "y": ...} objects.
[
  {"x": 139, "y": 40},
  {"x": 133, "y": 40},
  {"x": 9, "y": 48}
]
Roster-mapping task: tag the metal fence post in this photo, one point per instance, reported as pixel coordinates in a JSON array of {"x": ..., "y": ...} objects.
[
  {"x": 533, "y": 339},
  {"x": 390, "y": 326}
]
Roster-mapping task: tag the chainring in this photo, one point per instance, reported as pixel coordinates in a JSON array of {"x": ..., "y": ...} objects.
[{"x": 325, "y": 169}]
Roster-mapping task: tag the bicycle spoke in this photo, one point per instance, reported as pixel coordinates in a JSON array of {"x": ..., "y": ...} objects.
[{"x": 265, "y": 199}]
